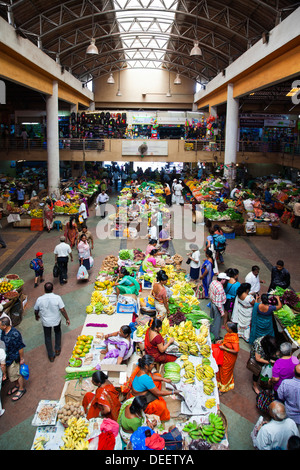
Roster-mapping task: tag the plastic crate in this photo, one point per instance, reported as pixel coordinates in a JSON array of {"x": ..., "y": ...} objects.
[
  {"x": 37, "y": 225},
  {"x": 229, "y": 236},
  {"x": 124, "y": 308}
]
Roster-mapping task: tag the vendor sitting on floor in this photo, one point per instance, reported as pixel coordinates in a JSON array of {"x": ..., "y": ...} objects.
[
  {"x": 119, "y": 346},
  {"x": 155, "y": 344},
  {"x": 126, "y": 284}
]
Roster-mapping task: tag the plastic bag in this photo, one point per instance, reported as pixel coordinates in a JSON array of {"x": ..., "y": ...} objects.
[
  {"x": 138, "y": 438},
  {"x": 91, "y": 261},
  {"x": 24, "y": 371},
  {"x": 56, "y": 270},
  {"x": 82, "y": 273}
]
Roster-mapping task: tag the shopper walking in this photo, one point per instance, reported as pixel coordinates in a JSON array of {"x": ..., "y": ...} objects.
[
  {"x": 217, "y": 299},
  {"x": 49, "y": 308},
  {"x": 101, "y": 200},
  {"x": 14, "y": 348},
  {"x": 2, "y": 371},
  {"x": 37, "y": 265},
  {"x": 62, "y": 253}
]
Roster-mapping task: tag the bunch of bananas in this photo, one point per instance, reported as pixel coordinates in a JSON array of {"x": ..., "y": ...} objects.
[
  {"x": 75, "y": 434},
  {"x": 193, "y": 429},
  {"x": 98, "y": 297},
  {"x": 39, "y": 443},
  {"x": 141, "y": 330},
  {"x": 208, "y": 386},
  {"x": 204, "y": 372},
  {"x": 210, "y": 403},
  {"x": 205, "y": 350},
  {"x": 109, "y": 309},
  {"x": 184, "y": 334},
  {"x": 189, "y": 370},
  {"x": 214, "y": 431}
]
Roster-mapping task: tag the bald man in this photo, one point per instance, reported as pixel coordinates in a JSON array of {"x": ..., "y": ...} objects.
[{"x": 275, "y": 434}]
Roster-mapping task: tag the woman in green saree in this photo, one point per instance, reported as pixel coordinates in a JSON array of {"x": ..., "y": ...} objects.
[
  {"x": 127, "y": 284},
  {"x": 132, "y": 416}
]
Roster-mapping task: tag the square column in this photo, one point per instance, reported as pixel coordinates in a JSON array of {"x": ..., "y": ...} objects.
[
  {"x": 231, "y": 135},
  {"x": 53, "y": 141}
]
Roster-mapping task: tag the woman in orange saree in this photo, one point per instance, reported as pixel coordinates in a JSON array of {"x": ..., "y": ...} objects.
[
  {"x": 71, "y": 231},
  {"x": 143, "y": 382},
  {"x": 104, "y": 401},
  {"x": 230, "y": 347}
]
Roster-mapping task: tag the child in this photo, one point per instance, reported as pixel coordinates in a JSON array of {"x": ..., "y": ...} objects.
[{"x": 38, "y": 266}]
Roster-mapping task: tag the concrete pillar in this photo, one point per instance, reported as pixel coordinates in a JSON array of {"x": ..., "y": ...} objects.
[
  {"x": 231, "y": 135},
  {"x": 53, "y": 141}
]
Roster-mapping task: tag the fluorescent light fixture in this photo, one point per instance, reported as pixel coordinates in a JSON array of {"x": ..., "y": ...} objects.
[{"x": 92, "y": 48}]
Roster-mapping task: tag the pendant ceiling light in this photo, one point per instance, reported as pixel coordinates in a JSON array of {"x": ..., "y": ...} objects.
[
  {"x": 177, "y": 80},
  {"x": 196, "y": 49},
  {"x": 92, "y": 48},
  {"x": 111, "y": 79}
]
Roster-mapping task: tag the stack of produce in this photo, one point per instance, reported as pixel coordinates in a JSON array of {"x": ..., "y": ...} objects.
[
  {"x": 109, "y": 264},
  {"x": 75, "y": 435},
  {"x": 184, "y": 334},
  {"x": 213, "y": 432},
  {"x": 82, "y": 346},
  {"x": 6, "y": 286},
  {"x": 70, "y": 410},
  {"x": 172, "y": 371}
]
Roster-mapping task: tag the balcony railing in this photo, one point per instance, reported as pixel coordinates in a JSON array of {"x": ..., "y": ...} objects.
[
  {"x": 244, "y": 146},
  {"x": 282, "y": 147}
]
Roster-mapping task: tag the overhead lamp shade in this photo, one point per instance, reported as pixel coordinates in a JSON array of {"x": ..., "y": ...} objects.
[
  {"x": 196, "y": 49},
  {"x": 168, "y": 95},
  {"x": 118, "y": 93},
  {"x": 111, "y": 79},
  {"x": 177, "y": 80},
  {"x": 92, "y": 48}
]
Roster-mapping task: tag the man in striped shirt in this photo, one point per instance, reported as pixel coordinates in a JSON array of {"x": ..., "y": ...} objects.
[{"x": 217, "y": 298}]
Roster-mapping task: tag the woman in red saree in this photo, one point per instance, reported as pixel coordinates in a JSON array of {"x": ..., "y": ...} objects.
[
  {"x": 48, "y": 214},
  {"x": 155, "y": 345},
  {"x": 105, "y": 401},
  {"x": 230, "y": 347},
  {"x": 71, "y": 231},
  {"x": 143, "y": 382}
]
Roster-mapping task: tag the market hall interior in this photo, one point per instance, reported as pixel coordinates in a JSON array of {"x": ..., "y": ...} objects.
[{"x": 233, "y": 120}]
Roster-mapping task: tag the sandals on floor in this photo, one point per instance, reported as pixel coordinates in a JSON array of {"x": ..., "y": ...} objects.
[
  {"x": 19, "y": 395},
  {"x": 12, "y": 390}
]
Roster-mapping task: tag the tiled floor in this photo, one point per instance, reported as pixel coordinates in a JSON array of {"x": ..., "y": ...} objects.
[{"x": 47, "y": 379}]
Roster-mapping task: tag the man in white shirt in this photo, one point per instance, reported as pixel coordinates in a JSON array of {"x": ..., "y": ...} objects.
[
  {"x": 275, "y": 434},
  {"x": 62, "y": 253},
  {"x": 101, "y": 200},
  {"x": 49, "y": 308},
  {"x": 82, "y": 212},
  {"x": 252, "y": 278}
]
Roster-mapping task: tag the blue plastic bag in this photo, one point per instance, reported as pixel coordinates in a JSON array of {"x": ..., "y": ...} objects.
[
  {"x": 24, "y": 371},
  {"x": 138, "y": 438}
]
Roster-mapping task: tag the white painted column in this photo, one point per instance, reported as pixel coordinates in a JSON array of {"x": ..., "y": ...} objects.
[
  {"x": 53, "y": 141},
  {"x": 231, "y": 135}
]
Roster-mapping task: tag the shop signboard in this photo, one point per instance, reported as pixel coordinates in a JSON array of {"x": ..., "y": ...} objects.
[{"x": 153, "y": 148}]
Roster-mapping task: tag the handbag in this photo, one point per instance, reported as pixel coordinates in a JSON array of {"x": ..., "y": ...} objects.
[
  {"x": 188, "y": 261},
  {"x": 264, "y": 399},
  {"x": 253, "y": 366},
  {"x": 200, "y": 293},
  {"x": 56, "y": 270}
]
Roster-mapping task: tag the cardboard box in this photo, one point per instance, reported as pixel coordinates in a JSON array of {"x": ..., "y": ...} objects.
[{"x": 117, "y": 373}]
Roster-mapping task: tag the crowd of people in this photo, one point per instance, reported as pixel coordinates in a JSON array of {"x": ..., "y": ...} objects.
[{"x": 237, "y": 306}]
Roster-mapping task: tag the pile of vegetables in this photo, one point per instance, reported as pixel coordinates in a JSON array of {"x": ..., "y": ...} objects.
[
  {"x": 287, "y": 317},
  {"x": 172, "y": 371},
  {"x": 176, "y": 318},
  {"x": 126, "y": 254},
  {"x": 196, "y": 316},
  {"x": 287, "y": 297}
]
